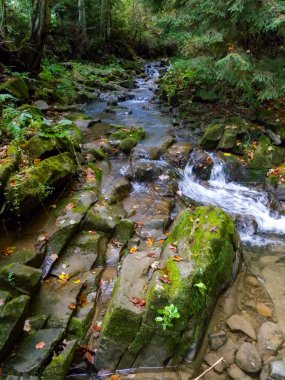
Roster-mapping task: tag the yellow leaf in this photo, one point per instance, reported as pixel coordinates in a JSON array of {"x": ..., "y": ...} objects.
[
  {"x": 227, "y": 154},
  {"x": 134, "y": 249},
  {"x": 76, "y": 282}
]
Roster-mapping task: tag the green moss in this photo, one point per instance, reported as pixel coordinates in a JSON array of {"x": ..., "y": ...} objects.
[
  {"x": 121, "y": 133},
  {"x": 17, "y": 87},
  {"x": 77, "y": 329},
  {"x": 128, "y": 144}
]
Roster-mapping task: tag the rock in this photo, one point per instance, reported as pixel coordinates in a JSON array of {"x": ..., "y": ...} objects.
[
  {"x": 273, "y": 121},
  {"x": 29, "y": 188},
  {"x": 228, "y": 351},
  {"x": 26, "y": 257},
  {"x": 10, "y": 164},
  {"x": 130, "y": 336},
  {"x": 273, "y": 370},
  {"x": 41, "y": 105},
  {"x": 236, "y": 373},
  {"x": 28, "y": 360},
  {"x": 275, "y": 138},
  {"x": 23, "y": 278},
  {"x": 121, "y": 133},
  {"x": 263, "y": 310},
  {"x": 148, "y": 170},
  {"x": 211, "y": 358},
  {"x": 280, "y": 192},
  {"x": 179, "y": 153},
  {"x": 217, "y": 340},
  {"x": 124, "y": 230},
  {"x": 212, "y": 136},
  {"x": 60, "y": 364},
  {"x": 127, "y": 144},
  {"x": 38, "y": 146},
  {"x": 202, "y": 164},
  {"x": 104, "y": 218},
  {"x": 248, "y": 359},
  {"x": 12, "y": 317},
  {"x": 238, "y": 323},
  {"x": 118, "y": 190},
  {"x": 269, "y": 339},
  {"x": 16, "y": 87}
]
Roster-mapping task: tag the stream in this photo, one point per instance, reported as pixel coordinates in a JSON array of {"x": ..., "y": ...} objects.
[{"x": 262, "y": 230}]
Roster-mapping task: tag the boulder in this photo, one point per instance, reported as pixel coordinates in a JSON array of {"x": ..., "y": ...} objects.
[
  {"x": 238, "y": 323},
  {"x": 202, "y": 164},
  {"x": 266, "y": 155},
  {"x": 269, "y": 339},
  {"x": 179, "y": 153},
  {"x": 207, "y": 245},
  {"x": 25, "y": 279},
  {"x": 212, "y": 136},
  {"x": 9, "y": 164},
  {"x": 42, "y": 105},
  {"x": 150, "y": 170},
  {"x": 30, "y": 187},
  {"x": 12, "y": 317},
  {"x": 122, "y": 133},
  {"x": 248, "y": 359}
]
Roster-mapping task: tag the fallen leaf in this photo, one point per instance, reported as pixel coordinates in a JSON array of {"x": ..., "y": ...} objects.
[
  {"x": 151, "y": 254},
  {"x": 27, "y": 326},
  {"x": 63, "y": 277},
  {"x": 77, "y": 281},
  {"x": 8, "y": 251},
  {"x": 40, "y": 345},
  {"x": 43, "y": 237},
  {"x": 149, "y": 242},
  {"x": 90, "y": 175},
  {"x": 134, "y": 249},
  {"x": 227, "y": 154},
  {"x": 214, "y": 229},
  {"x": 37, "y": 161},
  {"x": 177, "y": 258},
  {"x": 165, "y": 279},
  {"x": 83, "y": 300},
  {"x": 72, "y": 306},
  {"x": 116, "y": 243},
  {"x": 139, "y": 224},
  {"x": 138, "y": 302},
  {"x": 115, "y": 377},
  {"x": 13, "y": 183},
  {"x": 96, "y": 328},
  {"x": 93, "y": 232}
]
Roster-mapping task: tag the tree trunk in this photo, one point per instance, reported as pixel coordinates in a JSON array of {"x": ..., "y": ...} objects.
[
  {"x": 106, "y": 17},
  {"x": 3, "y": 18},
  {"x": 40, "y": 23},
  {"x": 82, "y": 24}
]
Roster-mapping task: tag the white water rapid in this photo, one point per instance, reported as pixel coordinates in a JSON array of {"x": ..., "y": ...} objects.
[{"x": 256, "y": 221}]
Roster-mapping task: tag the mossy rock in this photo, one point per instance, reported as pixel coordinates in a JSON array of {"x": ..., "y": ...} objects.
[
  {"x": 104, "y": 218},
  {"x": 122, "y": 133},
  {"x": 12, "y": 317},
  {"x": 124, "y": 230},
  {"x": 29, "y": 188},
  {"x": 128, "y": 144},
  {"x": 38, "y": 146},
  {"x": 22, "y": 277},
  {"x": 16, "y": 87},
  {"x": 60, "y": 364},
  {"x": 31, "y": 109},
  {"x": 212, "y": 136},
  {"x": 9, "y": 164},
  {"x": 26, "y": 257},
  {"x": 208, "y": 245},
  {"x": 266, "y": 155}
]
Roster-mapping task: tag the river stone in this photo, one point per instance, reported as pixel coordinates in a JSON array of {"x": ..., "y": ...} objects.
[
  {"x": 21, "y": 277},
  {"x": 118, "y": 191},
  {"x": 26, "y": 257},
  {"x": 202, "y": 164},
  {"x": 263, "y": 310},
  {"x": 12, "y": 317},
  {"x": 60, "y": 364},
  {"x": 179, "y": 153},
  {"x": 228, "y": 351},
  {"x": 280, "y": 192},
  {"x": 238, "y": 323},
  {"x": 212, "y": 136},
  {"x": 28, "y": 360},
  {"x": 149, "y": 170},
  {"x": 217, "y": 340},
  {"x": 269, "y": 339},
  {"x": 273, "y": 370},
  {"x": 236, "y": 373},
  {"x": 248, "y": 359},
  {"x": 211, "y": 358},
  {"x": 41, "y": 105}
]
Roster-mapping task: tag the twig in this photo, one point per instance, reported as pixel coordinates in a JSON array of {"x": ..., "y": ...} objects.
[{"x": 209, "y": 369}]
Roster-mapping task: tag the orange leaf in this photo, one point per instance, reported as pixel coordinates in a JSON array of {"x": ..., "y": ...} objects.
[
  {"x": 40, "y": 345},
  {"x": 151, "y": 254},
  {"x": 37, "y": 161},
  {"x": 134, "y": 249},
  {"x": 165, "y": 279},
  {"x": 138, "y": 302},
  {"x": 12, "y": 183},
  {"x": 70, "y": 206},
  {"x": 83, "y": 300},
  {"x": 149, "y": 242},
  {"x": 89, "y": 357},
  {"x": 72, "y": 306},
  {"x": 96, "y": 328},
  {"x": 177, "y": 258},
  {"x": 115, "y": 377}
]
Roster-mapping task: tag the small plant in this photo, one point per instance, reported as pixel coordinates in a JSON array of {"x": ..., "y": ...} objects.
[
  {"x": 11, "y": 278},
  {"x": 202, "y": 288},
  {"x": 168, "y": 314}
]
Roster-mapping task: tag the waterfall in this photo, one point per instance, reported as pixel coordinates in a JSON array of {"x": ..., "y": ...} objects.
[{"x": 256, "y": 221}]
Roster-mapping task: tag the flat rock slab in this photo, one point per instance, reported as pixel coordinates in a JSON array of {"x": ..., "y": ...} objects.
[
  {"x": 28, "y": 359},
  {"x": 235, "y": 373},
  {"x": 238, "y": 323}
]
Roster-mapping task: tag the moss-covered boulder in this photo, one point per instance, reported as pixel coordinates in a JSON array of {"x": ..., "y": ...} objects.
[
  {"x": 25, "y": 257},
  {"x": 12, "y": 316},
  {"x": 199, "y": 260},
  {"x": 126, "y": 138},
  {"x": 8, "y": 164},
  {"x": 212, "y": 136},
  {"x": 16, "y": 87},
  {"x": 30, "y": 187},
  {"x": 60, "y": 364},
  {"x": 128, "y": 144},
  {"x": 22, "y": 277},
  {"x": 104, "y": 218}
]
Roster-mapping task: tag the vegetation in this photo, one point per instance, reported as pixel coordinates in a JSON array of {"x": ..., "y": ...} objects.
[{"x": 167, "y": 315}]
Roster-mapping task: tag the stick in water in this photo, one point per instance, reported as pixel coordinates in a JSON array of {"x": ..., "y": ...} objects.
[{"x": 209, "y": 369}]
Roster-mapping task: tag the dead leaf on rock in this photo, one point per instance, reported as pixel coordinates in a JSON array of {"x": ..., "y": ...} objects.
[
  {"x": 214, "y": 229},
  {"x": 115, "y": 377},
  {"x": 177, "y": 258},
  {"x": 70, "y": 206},
  {"x": 152, "y": 255},
  {"x": 72, "y": 306},
  {"x": 40, "y": 345},
  {"x": 43, "y": 237},
  {"x": 89, "y": 357},
  {"x": 8, "y": 251},
  {"x": 96, "y": 328},
  {"x": 134, "y": 249},
  {"x": 165, "y": 279},
  {"x": 53, "y": 257},
  {"x": 138, "y": 302},
  {"x": 149, "y": 242}
]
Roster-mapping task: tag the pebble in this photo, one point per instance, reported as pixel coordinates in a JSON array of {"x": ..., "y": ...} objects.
[
  {"x": 248, "y": 359},
  {"x": 238, "y": 323},
  {"x": 236, "y": 373},
  {"x": 263, "y": 310},
  {"x": 269, "y": 339},
  {"x": 217, "y": 340},
  {"x": 253, "y": 281},
  {"x": 228, "y": 351},
  {"x": 211, "y": 358}
]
